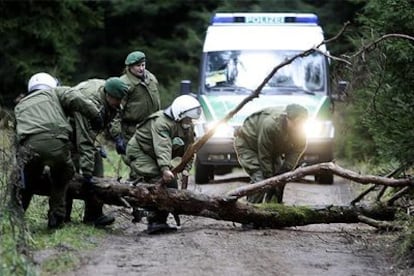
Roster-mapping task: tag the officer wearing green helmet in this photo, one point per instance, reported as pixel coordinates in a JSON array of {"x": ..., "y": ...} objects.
[
  {"x": 142, "y": 99},
  {"x": 107, "y": 97},
  {"x": 271, "y": 142}
]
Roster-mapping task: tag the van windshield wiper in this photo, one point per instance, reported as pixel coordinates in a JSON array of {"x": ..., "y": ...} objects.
[
  {"x": 299, "y": 89},
  {"x": 232, "y": 88},
  {"x": 286, "y": 90}
]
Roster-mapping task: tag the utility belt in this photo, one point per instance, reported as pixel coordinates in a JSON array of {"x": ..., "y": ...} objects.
[{"x": 42, "y": 136}]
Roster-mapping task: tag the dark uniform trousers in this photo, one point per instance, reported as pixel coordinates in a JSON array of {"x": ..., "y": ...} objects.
[{"x": 46, "y": 150}]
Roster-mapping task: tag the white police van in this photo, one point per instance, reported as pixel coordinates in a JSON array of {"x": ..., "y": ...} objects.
[{"x": 240, "y": 50}]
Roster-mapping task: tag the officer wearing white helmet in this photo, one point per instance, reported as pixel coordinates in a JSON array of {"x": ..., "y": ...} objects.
[
  {"x": 38, "y": 81},
  {"x": 41, "y": 81},
  {"x": 160, "y": 138},
  {"x": 42, "y": 127}
]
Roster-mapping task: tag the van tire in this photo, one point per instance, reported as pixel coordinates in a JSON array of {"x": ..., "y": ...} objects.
[
  {"x": 203, "y": 173},
  {"x": 324, "y": 178},
  {"x": 222, "y": 170}
]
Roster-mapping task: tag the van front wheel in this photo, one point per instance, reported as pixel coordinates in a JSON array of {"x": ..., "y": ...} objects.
[
  {"x": 324, "y": 178},
  {"x": 203, "y": 173}
]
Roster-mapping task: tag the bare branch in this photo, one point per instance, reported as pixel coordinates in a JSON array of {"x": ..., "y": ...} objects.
[
  {"x": 398, "y": 195},
  {"x": 326, "y": 41},
  {"x": 363, "y": 194},
  {"x": 382, "y": 225},
  {"x": 314, "y": 169},
  {"x": 389, "y": 175},
  {"x": 378, "y": 40}
]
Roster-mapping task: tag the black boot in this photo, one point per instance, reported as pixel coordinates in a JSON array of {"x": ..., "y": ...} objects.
[
  {"x": 100, "y": 221},
  {"x": 55, "y": 221},
  {"x": 138, "y": 214},
  {"x": 160, "y": 228},
  {"x": 104, "y": 220}
]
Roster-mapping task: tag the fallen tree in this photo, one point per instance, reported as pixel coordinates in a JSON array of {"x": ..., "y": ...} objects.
[{"x": 228, "y": 208}]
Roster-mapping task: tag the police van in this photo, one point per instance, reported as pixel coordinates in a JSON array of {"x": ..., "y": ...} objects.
[{"x": 240, "y": 50}]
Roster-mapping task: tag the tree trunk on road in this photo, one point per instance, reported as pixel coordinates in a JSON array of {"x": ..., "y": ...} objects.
[{"x": 228, "y": 208}]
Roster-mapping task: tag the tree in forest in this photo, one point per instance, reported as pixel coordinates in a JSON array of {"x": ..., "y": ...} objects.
[
  {"x": 381, "y": 109},
  {"x": 40, "y": 36}
]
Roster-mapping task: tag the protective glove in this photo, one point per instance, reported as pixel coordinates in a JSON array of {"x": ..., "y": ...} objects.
[
  {"x": 97, "y": 123},
  {"x": 167, "y": 176},
  {"x": 120, "y": 145},
  {"x": 185, "y": 173},
  {"x": 102, "y": 152}
]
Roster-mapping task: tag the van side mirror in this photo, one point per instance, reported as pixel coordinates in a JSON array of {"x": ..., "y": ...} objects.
[
  {"x": 185, "y": 87},
  {"x": 342, "y": 86},
  {"x": 340, "y": 91}
]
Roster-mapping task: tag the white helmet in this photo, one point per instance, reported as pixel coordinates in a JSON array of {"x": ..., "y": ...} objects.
[
  {"x": 41, "y": 81},
  {"x": 185, "y": 106}
]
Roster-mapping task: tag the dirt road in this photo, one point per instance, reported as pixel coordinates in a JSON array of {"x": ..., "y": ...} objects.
[{"x": 205, "y": 246}]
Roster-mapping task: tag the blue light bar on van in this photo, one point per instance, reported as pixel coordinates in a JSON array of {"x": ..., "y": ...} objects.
[{"x": 264, "y": 18}]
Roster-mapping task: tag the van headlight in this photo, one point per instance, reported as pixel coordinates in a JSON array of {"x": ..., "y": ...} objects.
[
  {"x": 222, "y": 131},
  {"x": 319, "y": 129}
]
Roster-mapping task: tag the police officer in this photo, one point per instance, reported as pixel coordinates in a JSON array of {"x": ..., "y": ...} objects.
[
  {"x": 106, "y": 96},
  {"x": 271, "y": 142},
  {"x": 156, "y": 142},
  {"x": 43, "y": 135},
  {"x": 142, "y": 99}
]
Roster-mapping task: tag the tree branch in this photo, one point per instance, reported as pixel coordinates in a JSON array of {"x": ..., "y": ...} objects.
[{"x": 314, "y": 169}]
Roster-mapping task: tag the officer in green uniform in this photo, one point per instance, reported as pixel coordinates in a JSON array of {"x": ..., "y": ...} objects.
[
  {"x": 43, "y": 134},
  {"x": 156, "y": 142},
  {"x": 271, "y": 142},
  {"x": 142, "y": 99},
  {"x": 106, "y": 96}
]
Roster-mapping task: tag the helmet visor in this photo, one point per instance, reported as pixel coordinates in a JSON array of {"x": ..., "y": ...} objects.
[{"x": 193, "y": 113}]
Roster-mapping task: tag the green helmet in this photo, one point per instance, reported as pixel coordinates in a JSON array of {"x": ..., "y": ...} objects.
[
  {"x": 134, "y": 57},
  {"x": 294, "y": 111},
  {"x": 116, "y": 87}
]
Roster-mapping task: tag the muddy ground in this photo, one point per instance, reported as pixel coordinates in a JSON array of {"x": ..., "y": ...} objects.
[{"x": 203, "y": 246}]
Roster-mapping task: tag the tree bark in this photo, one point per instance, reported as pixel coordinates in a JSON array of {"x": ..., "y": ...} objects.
[{"x": 228, "y": 208}]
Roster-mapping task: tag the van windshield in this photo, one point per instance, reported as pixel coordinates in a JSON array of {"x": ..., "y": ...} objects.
[{"x": 243, "y": 71}]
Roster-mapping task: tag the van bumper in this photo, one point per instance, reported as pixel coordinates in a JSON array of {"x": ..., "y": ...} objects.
[{"x": 220, "y": 152}]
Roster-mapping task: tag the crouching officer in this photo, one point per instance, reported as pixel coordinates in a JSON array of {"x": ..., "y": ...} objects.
[
  {"x": 271, "y": 142},
  {"x": 43, "y": 135},
  {"x": 154, "y": 145},
  {"x": 106, "y": 96}
]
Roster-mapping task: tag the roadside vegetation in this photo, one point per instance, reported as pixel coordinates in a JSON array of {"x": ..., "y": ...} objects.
[
  {"x": 374, "y": 123},
  {"x": 22, "y": 234}
]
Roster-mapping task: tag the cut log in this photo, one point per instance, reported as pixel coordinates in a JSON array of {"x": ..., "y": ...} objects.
[{"x": 223, "y": 207}]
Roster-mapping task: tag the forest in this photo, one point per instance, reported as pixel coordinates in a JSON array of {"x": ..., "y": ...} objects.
[{"x": 78, "y": 40}]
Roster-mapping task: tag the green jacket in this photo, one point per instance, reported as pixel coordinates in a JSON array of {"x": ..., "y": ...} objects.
[
  {"x": 142, "y": 100},
  {"x": 266, "y": 134},
  {"x": 84, "y": 136},
  {"x": 46, "y": 111},
  {"x": 157, "y": 137}
]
